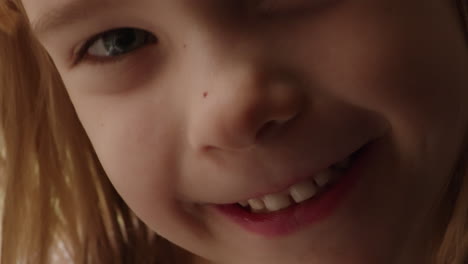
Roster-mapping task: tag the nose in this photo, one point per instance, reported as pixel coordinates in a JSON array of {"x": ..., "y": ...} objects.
[{"x": 243, "y": 106}]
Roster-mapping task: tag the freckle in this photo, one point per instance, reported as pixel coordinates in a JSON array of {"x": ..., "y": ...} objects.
[
  {"x": 205, "y": 94},
  {"x": 185, "y": 45}
]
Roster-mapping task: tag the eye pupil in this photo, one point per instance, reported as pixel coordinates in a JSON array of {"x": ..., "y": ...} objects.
[{"x": 125, "y": 38}]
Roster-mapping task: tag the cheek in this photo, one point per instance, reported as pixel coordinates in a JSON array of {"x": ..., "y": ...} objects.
[
  {"x": 408, "y": 69},
  {"x": 135, "y": 141}
]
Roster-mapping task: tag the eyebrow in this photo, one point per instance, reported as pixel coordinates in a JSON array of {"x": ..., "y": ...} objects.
[{"x": 68, "y": 13}]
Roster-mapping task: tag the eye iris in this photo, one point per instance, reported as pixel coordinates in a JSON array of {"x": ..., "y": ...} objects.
[{"x": 122, "y": 41}]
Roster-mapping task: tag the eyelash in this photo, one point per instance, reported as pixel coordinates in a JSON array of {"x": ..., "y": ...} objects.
[{"x": 82, "y": 55}]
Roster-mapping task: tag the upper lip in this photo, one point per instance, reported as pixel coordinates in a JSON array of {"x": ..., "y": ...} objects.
[{"x": 291, "y": 181}]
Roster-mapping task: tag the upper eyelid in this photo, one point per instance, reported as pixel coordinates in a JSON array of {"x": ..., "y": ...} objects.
[
  {"x": 73, "y": 12},
  {"x": 69, "y": 13}
]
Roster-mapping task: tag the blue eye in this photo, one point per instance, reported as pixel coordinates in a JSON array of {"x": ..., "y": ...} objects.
[{"x": 115, "y": 43}]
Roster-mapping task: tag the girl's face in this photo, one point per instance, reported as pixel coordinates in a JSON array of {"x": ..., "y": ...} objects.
[{"x": 196, "y": 106}]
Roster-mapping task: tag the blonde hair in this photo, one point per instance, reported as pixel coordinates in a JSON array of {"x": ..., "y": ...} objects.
[{"x": 57, "y": 192}]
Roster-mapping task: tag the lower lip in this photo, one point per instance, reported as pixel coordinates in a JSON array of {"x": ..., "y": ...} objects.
[{"x": 310, "y": 212}]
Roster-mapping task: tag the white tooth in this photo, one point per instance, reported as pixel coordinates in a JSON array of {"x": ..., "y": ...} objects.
[
  {"x": 244, "y": 203},
  {"x": 303, "y": 191},
  {"x": 323, "y": 178},
  {"x": 342, "y": 165},
  {"x": 275, "y": 202},
  {"x": 256, "y": 204}
]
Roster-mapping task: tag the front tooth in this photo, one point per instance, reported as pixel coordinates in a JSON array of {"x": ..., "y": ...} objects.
[
  {"x": 244, "y": 203},
  {"x": 303, "y": 191},
  {"x": 323, "y": 178},
  {"x": 256, "y": 204},
  {"x": 275, "y": 202}
]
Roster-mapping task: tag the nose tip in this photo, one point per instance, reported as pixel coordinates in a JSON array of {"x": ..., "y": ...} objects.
[{"x": 242, "y": 114}]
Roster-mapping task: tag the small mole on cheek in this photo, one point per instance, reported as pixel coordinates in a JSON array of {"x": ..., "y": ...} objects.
[{"x": 205, "y": 94}]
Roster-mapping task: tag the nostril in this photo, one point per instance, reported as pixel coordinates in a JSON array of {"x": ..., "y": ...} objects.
[
  {"x": 258, "y": 105},
  {"x": 278, "y": 124},
  {"x": 208, "y": 148},
  {"x": 267, "y": 129}
]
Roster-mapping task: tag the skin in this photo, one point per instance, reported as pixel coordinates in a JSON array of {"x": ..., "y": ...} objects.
[{"x": 233, "y": 98}]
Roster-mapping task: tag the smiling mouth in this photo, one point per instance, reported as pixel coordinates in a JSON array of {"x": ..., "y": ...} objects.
[
  {"x": 303, "y": 204},
  {"x": 299, "y": 192}
]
